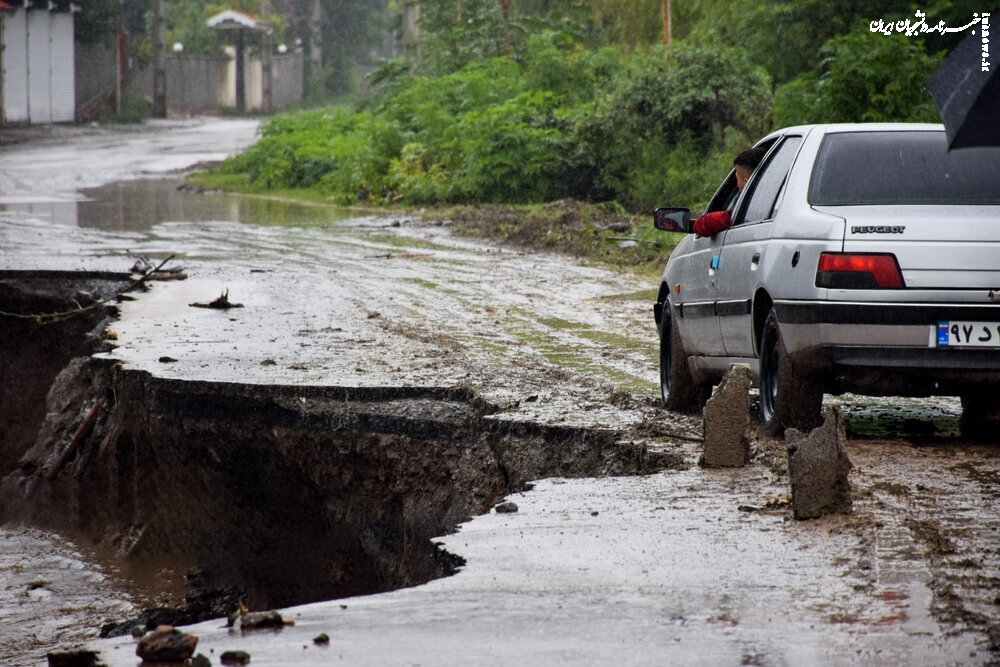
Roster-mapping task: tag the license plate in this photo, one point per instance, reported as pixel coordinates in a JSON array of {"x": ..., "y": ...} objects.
[{"x": 968, "y": 334}]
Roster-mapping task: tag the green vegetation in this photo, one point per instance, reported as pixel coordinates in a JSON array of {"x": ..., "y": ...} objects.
[{"x": 560, "y": 122}]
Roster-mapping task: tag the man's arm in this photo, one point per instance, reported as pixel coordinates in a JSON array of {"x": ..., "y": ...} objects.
[{"x": 712, "y": 223}]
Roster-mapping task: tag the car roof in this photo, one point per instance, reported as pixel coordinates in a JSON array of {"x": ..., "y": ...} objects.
[{"x": 833, "y": 128}]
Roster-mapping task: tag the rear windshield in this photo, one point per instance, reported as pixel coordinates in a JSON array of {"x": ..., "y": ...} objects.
[{"x": 902, "y": 167}]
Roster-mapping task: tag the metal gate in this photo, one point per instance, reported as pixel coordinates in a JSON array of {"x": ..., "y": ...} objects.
[
  {"x": 39, "y": 67},
  {"x": 15, "y": 67},
  {"x": 62, "y": 64}
]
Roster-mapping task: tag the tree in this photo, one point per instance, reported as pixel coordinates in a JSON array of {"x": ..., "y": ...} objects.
[
  {"x": 99, "y": 24},
  {"x": 629, "y": 23},
  {"x": 862, "y": 77}
]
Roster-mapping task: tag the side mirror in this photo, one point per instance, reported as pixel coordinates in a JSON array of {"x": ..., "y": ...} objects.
[{"x": 672, "y": 219}]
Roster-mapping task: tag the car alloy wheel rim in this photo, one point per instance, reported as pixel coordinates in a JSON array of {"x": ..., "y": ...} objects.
[
  {"x": 769, "y": 379},
  {"x": 666, "y": 359}
]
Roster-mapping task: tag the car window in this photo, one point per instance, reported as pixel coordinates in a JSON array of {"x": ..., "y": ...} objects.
[
  {"x": 726, "y": 196},
  {"x": 902, "y": 167},
  {"x": 768, "y": 183}
]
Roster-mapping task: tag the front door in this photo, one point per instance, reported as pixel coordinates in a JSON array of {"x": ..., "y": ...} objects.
[{"x": 745, "y": 245}]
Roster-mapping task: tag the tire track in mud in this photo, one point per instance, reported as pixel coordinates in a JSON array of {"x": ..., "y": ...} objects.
[{"x": 933, "y": 513}]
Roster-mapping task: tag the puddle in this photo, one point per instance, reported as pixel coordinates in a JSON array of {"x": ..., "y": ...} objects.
[
  {"x": 140, "y": 205},
  {"x": 54, "y": 593},
  {"x": 916, "y": 419}
]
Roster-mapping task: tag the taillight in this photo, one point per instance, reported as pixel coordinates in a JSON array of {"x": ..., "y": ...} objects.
[{"x": 858, "y": 271}]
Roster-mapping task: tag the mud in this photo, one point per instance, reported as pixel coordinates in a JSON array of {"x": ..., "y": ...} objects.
[
  {"x": 819, "y": 469},
  {"x": 726, "y": 418}
]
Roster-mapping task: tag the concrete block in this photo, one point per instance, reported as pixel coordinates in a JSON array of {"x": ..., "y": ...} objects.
[
  {"x": 818, "y": 467},
  {"x": 726, "y": 417}
]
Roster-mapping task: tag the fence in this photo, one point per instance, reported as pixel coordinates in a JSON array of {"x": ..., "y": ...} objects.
[{"x": 199, "y": 84}]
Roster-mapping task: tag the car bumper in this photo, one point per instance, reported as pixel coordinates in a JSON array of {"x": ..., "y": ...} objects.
[{"x": 885, "y": 335}]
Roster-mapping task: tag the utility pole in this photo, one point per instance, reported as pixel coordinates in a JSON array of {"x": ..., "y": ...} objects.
[
  {"x": 160, "y": 60},
  {"x": 266, "y": 64},
  {"x": 119, "y": 55},
  {"x": 667, "y": 28},
  {"x": 316, "y": 35},
  {"x": 241, "y": 65}
]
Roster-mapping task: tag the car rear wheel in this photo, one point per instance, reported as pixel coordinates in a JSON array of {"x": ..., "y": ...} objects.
[
  {"x": 678, "y": 389},
  {"x": 981, "y": 413},
  {"x": 787, "y": 398}
]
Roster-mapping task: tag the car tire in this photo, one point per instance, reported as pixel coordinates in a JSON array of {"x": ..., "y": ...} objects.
[
  {"x": 981, "y": 413},
  {"x": 788, "y": 399},
  {"x": 679, "y": 391}
]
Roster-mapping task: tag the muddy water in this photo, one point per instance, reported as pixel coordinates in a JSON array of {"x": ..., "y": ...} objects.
[
  {"x": 52, "y": 595},
  {"x": 55, "y": 594}
]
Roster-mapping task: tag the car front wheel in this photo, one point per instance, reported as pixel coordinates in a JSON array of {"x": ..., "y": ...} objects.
[
  {"x": 787, "y": 398},
  {"x": 678, "y": 389}
]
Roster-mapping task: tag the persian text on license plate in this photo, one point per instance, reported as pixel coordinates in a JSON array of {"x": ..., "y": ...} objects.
[{"x": 968, "y": 334}]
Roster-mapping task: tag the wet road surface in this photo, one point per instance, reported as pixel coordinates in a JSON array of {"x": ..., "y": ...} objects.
[{"x": 688, "y": 565}]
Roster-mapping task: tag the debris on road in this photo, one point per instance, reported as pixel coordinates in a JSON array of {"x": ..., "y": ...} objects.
[
  {"x": 260, "y": 620},
  {"x": 222, "y": 303},
  {"x": 166, "y": 644}
]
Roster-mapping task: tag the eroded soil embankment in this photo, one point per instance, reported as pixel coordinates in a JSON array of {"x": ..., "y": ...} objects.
[
  {"x": 292, "y": 493},
  {"x": 32, "y": 355}
]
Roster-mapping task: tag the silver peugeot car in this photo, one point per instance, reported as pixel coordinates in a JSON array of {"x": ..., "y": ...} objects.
[{"x": 860, "y": 258}]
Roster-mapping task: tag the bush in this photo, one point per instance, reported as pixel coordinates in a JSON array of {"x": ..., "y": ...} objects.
[
  {"x": 513, "y": 106},
  {"x": 134, "y": 109},
  {"x": 561, "y": 122}
]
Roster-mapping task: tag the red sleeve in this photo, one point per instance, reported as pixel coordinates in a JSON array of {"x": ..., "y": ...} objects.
[{"x": 712, "y": 223}]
